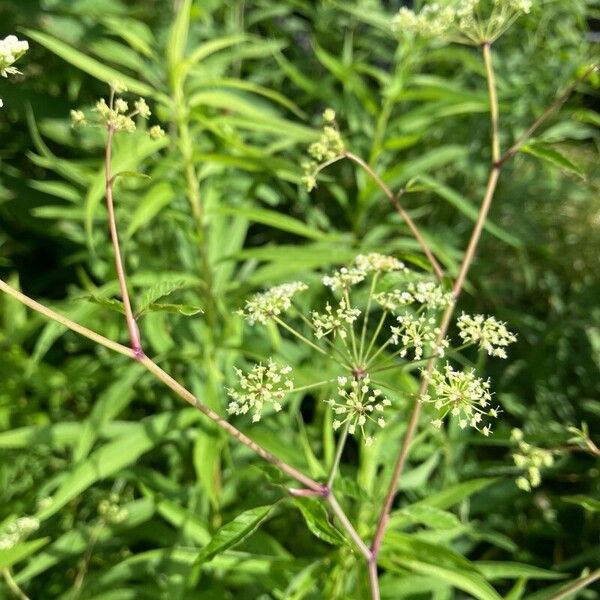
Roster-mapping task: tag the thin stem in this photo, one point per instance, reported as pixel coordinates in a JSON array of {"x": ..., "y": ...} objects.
[
  {"x": 374, "y": 579},
  {"x": 50, "y": 314},
  {"x": 341, "y": 515},
  {"x": 134, "y": 334},
  {"x": 439, "y": 273},
  {"x": 181, "y": 391},
  {"x": 346, "y": 358},
  {"x": 376, "y": 334},
  {"x": 379, "y": 351},
  {"x": 446, "y": 318},
  {"x": 338, "y": 455},
  {"x": 366, "y": 317},
  {"x": 311, "y": 385},
  {"x": 299, "y": 335},
  {"x": 576, "y": 585},
  {"x": 12, "y": 585},
  {"x": 352, "y": 336},
  {"x": 494, "y": 112}
]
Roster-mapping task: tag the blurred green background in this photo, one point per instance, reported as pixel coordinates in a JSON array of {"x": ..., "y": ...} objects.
[{"x": 79, "y": 424}]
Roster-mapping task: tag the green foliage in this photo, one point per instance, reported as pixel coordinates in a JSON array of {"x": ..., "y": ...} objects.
[{"x": 240, "y": 87}]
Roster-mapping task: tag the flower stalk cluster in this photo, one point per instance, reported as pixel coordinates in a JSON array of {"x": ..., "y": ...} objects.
[
  {"x": 11, "y": 49},
  {"x": 116, "y": 114},
  {"x": 17, "y": 531},
  {"x": 398, "y": 324},
  {"x": 471, "y": 22}
]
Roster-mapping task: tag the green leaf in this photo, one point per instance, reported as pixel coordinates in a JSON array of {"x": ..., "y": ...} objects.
[
  {"x": 317, "y": 520},
  {"x": 133, "y": 174},
  {"x": 587, "y": 502},
  {"x": 10, "y": 556},
  {"x": 468, "y": 209},
  {"x": 429, "y": 516},
  {"x": 111, "y": 303},
  {"x": 187, "y": 310},
  {"x": 89, "y": 65},
  {"x": 157, "y": 291},
  {"x": 117, "y": 454},
  {"x": 276, "y": 220},
  {"x": 156, "y": 198},
  {"x": 552, "y": 156},
  {"x": 513, "y": 570},
  {"x": 178, "y": 34},
  {"x": 401, "y": 551},
  {"x": 234, "y": 532}
]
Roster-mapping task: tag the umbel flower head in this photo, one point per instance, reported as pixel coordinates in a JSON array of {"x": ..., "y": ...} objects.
[
  {"x": 461, "y": 21},
  {"x": 263, "y": 307},
  {"x": 116, "y": 115},
  {"x": 491, "y": 335},
  {"x": 263, "y": 385},
  {"x": 11, "y": 49},
  {"x": 17, "y": 531},
  {"x": 357, "y": 406},
  {"x": 417, "y": 333},
  {"x": 464, "y": 396},
  {"x": 531, "y": 460}
]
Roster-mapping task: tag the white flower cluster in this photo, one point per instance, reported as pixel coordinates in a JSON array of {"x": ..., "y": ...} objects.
[
  {"x": 264, "y": 384},
  {"x": 11, "y": 49},
  {"x": 363, "y": 264},
  {"x": 464, "y": 396},
  {"x": 116, "y": 115},
  {"x": 110, "y": 510},
  {"x": 461, "y": 20},
  {"x": 427, "y": 293},
  {"x": 531, "y": 459},
  {"x": 261, "y": 308},
  {"x": 417, "y": 333},
  {"x": 17, "y": 531},
  {"x": 334, "y": 321},
  {"x": 491, "y": 335},
  {"x": 329, "y": 147},
  {"x": 378, "y": 263},
  {"x": 356, "y": 406}
]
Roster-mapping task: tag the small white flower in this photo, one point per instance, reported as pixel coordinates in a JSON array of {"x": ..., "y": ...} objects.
[
  {"x": 121, "y": 106},
  {"x": 430, "y": 294},
  {"x": 417, "y": 333},
  {"x": 334, "y": 321},
  {"x": 17, "y": 531},
  {"x": 11, "y": 49},
  {"x": 357, "y": 406},
  {"x": 264, "y": 384},
  {"x": 378, "y": 263},
  {"x": 491, "y": 335},
  {"x": 463, "y": 395},
  {"x": 344, "y": 278},
  {"x": 263, "y": 307},
  {"x": 142, "y": 108},
  {"x": 393, "y": 300}
]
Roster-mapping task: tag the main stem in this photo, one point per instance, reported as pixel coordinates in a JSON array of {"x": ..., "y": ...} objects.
[
  {"x": 134, "y": 334},
  {"x": 447, "y": 316}
]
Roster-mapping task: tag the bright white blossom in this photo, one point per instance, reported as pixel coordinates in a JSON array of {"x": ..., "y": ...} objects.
[
  {"x": 358, "y": 405},
  {"x": 464, "y": 21},
  {"x": 430, "y": 294},
  {"x": 11, "y": 49},
  {"x": 264, "y": 384},
  {"x": 334, "y": 321},
  {"x": 263, "y": 307},
  {"x": 344, "y": 278},
  {"x": 16, "y": 531},
  {"x": 491, "y": 335},
  {"x": 417, "y": 333},
  {"x": 393, "y": 300},
  {"x": 142, "y": 108},
  {"x": 531, "y": 460},
  {"x": 378, "y": 263},
  {"x": 464, "y": 396}
]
